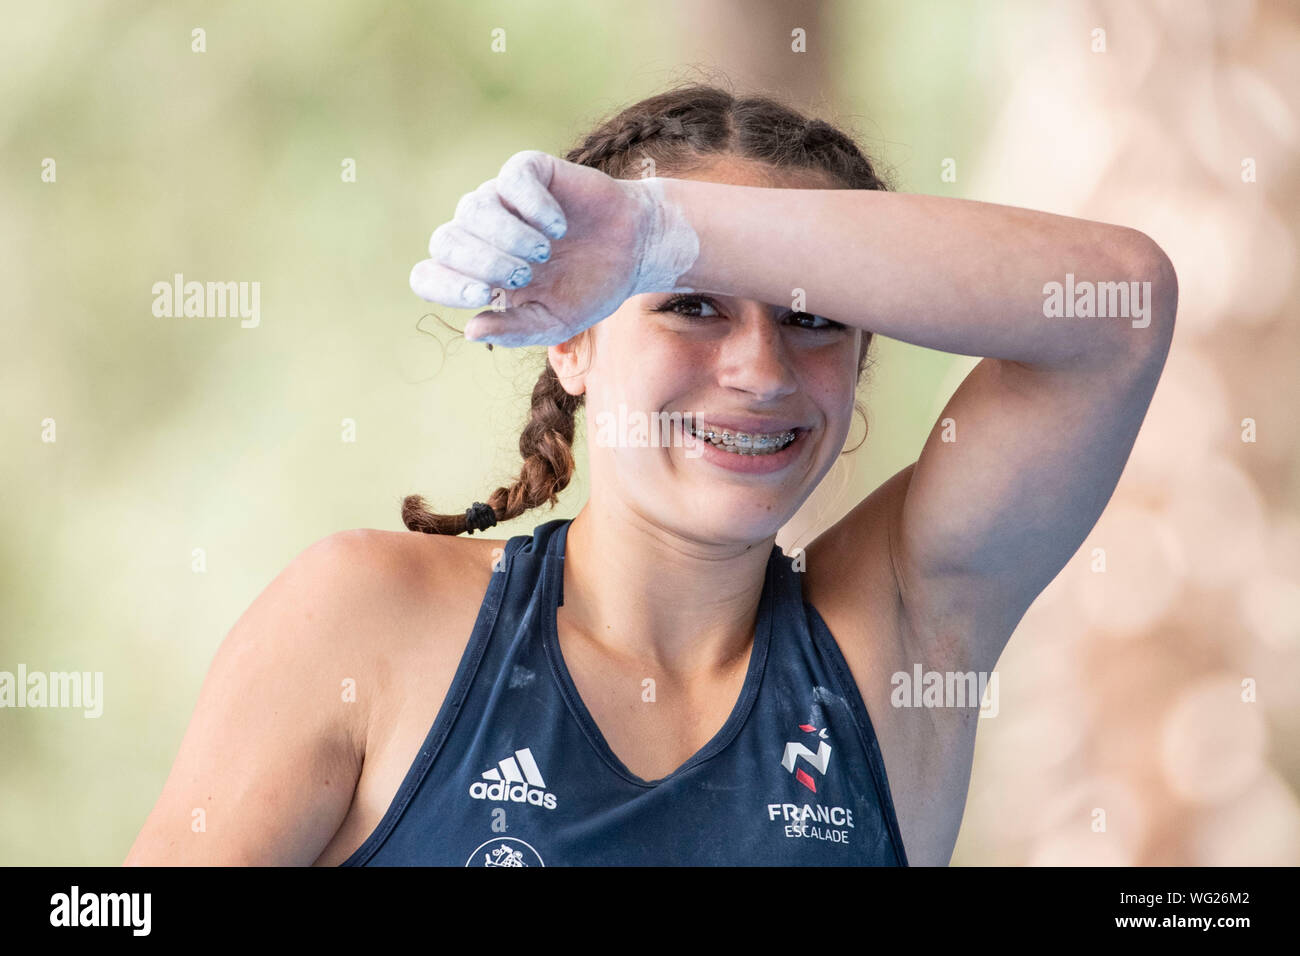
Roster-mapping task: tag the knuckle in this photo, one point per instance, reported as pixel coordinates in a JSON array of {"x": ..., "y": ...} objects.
[
  {"x": 521, "y": 158},
  {"x": 438, "y": 241},
  {"x": 419, "y": 276},
  {"x": 525, "y": 163},
  {"x": 477, "y": 199}
]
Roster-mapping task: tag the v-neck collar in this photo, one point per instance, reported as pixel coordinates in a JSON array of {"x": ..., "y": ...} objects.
[{"x": 553, "y": 597}]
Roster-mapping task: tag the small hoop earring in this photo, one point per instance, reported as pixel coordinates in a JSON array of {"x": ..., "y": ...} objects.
[{"x": 866, "y": 426}]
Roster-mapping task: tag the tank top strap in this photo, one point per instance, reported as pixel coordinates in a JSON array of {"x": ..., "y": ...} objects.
[
  {"x": 787, "y": 583},
  {"x": 557, "y": 535},
  {"x": 534, "y": 564}
]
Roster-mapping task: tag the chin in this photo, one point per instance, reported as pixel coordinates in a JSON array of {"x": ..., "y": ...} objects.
[{"x": 733, "y": 522}]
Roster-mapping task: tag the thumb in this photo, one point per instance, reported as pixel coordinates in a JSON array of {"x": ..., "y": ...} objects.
[{"x": 531, "y": 323}]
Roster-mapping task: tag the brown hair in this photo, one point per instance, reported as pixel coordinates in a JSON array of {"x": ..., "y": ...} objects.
[{"x": 680, "y": 130}]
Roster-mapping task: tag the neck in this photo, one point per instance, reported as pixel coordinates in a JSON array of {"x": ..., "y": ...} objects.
[{"x": 648, "y": 596}]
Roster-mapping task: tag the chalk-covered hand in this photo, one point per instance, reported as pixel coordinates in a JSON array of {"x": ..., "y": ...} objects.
[{"x": 563, "y": 245}]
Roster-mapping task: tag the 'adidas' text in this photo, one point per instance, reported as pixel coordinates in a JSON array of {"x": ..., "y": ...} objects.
[{"x": 510, "y": 780}]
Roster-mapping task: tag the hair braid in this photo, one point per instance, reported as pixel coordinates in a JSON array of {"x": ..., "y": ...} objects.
[
  {"x": 612, "y": 148},
  {"x": 546, "y": 446}
]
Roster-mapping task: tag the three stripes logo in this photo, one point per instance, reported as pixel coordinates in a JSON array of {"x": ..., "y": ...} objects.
[
  {"x": 515, "y": 779},
  {"x": 819, "y": 760}
]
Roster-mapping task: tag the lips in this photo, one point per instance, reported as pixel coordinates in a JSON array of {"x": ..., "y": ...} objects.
[{"x": 748, "y": 426}]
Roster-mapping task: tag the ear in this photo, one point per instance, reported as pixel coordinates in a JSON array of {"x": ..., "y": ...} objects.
[{"x": 571, "y": 360}]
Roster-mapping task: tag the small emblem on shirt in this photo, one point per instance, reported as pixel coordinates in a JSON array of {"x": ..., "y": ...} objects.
[
  {"x": 818, "y": 760},
  {"x": 817, "y": 822},
  {"x": 505, "y": 851},
  {"x": 516, "y": 780}
]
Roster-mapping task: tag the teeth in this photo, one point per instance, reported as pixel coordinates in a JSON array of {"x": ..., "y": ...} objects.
[{"x": 744, "y": 443}]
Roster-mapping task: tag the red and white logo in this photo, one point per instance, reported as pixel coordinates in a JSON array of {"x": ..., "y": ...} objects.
[{"x": 819, "y": 760}]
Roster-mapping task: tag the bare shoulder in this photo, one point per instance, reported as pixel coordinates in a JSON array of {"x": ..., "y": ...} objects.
[
  {"x": 400, "y": 573},
  {"x": 416, "y": 620},
  {"x": 411, "y": 602},
  {"x": 853, "y": 583},
  {"x": 385, "y": 593},
  {"x": 268, "y": 766}
]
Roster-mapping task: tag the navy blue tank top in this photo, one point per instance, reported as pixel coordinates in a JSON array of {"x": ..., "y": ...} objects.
[{"x": 514, "y": 771}]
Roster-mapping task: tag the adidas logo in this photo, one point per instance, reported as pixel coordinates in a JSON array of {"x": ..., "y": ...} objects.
[{"x": 515, "y": 779}]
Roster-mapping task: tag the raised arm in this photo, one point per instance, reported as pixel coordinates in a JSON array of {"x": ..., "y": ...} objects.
[
  {"x": 1030, "y": 448},
  {"x": 1039, "y": 430}
]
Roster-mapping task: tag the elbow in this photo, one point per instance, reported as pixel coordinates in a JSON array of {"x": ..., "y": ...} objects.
[{"x": 1156, "y": 304}]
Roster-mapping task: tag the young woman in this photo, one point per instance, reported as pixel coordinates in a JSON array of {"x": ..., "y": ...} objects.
[{"x": 654, "y": 681}]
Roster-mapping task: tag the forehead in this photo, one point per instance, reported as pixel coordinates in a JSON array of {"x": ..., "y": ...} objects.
[{"x": 738, "y": 171}]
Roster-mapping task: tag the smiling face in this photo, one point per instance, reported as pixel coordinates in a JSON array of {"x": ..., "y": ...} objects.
[{"x": 724, "y": 362}]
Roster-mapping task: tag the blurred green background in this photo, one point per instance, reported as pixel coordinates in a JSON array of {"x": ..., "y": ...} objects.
[{"x": 183, "y": 433}]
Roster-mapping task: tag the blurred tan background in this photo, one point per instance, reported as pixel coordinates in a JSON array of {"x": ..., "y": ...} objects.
[{"x": 1121, "y": 690}]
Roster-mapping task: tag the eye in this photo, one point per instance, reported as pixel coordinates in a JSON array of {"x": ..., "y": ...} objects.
[
  {"x": 826, "y": 324},
  {"x": 685, "y": 305}
]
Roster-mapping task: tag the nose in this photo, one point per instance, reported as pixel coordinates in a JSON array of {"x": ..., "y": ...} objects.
[{"x": 753, "y": 357}]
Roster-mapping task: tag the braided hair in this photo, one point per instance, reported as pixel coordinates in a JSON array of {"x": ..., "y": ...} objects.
[{"x": 678, "y": 131}]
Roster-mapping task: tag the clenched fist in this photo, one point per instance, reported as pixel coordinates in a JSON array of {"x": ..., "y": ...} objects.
[{"x": 565, "y": 243}]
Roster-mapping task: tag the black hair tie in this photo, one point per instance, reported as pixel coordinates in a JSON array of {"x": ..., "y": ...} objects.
[{"x": 479, "y": 517}]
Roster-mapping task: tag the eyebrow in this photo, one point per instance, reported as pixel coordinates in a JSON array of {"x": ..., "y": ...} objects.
[{"x": 669, "y": 296}]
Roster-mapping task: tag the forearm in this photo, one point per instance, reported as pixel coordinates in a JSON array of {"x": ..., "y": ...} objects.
[{"x": 950, "y": 274}]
